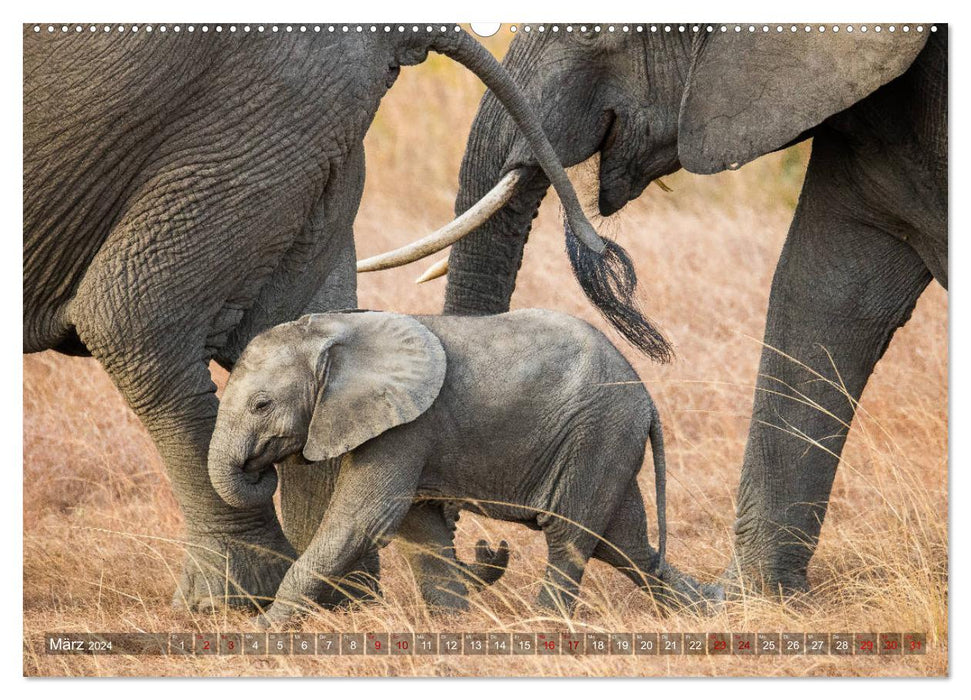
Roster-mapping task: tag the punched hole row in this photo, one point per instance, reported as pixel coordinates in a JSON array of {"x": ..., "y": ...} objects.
[
  {"x": 259, "y": 28},
  {"x": 346, "y": 28}
]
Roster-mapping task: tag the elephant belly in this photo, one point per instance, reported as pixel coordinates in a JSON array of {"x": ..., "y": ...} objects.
[{"x": 490, "y": 507}]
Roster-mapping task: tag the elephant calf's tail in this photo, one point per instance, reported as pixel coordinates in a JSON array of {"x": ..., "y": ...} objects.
[
  {"x": 660, "y": 484},
  {"x": 610, "y": 282}
]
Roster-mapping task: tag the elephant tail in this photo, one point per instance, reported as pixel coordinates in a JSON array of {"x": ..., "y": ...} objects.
[
  {"x": 490, "y": 564},
  {"x": 608, "y": 279},
  {"x": 660, "y": 484},
  {"x": 672, "y": 588}
]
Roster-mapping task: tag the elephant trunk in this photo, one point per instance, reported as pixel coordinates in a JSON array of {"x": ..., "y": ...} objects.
[
  {"x": 483, "y": 265},
  {"x": 238, "y": 481}
]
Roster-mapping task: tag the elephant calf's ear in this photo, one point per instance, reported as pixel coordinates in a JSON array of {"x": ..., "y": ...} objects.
[{"x": 386, "y": 370}]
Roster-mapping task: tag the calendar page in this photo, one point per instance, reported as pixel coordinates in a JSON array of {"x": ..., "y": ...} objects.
[{"x": 513, "y": 349}]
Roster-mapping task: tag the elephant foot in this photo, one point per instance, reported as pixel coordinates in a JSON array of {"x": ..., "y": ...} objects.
[
  {"x": 489, "y": 566},
  {"x": 357, "y": 588},
  {"x": 679, "y": 592},
  {"x": 762, "y": 579},
  {"x": 279, "y": 617},
  {"x": 236, "y": 571},
  {"x": 301, "y": 594}
]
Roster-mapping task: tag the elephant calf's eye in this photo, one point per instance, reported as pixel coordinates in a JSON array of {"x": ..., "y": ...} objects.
[{"x": 261, "y": 405}]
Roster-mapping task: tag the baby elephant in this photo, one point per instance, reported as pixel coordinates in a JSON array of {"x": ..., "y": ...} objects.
[{"x": 531, "y": 416}]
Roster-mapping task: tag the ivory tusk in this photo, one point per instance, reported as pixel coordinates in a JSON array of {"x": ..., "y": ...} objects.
[
  {"x": 459, "y": 227},
  {"x": 660, "y": 183},
  {"x": 437, "y": 270}
]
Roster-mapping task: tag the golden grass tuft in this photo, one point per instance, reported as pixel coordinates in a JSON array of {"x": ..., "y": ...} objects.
[{"x": 97, "y": 500}]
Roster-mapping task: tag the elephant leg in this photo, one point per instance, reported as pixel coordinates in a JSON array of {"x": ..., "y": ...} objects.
[
  {"x": 626, "y": 547},
  {"x": 843, "y": 285},
  {"x": 625, "y": 544},
  {"x": 443, "y": 579},
  {"x": 430, "y": 551},
  {"x": 566, "y": 561},
  {"x": 305, "y": 492},
  {"x": 570, "y": 542},
  {"x": 372, "y": 494},
  {"x": 235, "y": 557}
]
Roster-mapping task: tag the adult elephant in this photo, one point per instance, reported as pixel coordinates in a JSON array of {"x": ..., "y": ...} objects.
[
  {"x": 185, "y": 190},
  {"x": 869, "y": 233}
]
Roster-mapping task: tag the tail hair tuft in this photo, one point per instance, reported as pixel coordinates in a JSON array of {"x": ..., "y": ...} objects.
[{"x": 610, "y": 283}]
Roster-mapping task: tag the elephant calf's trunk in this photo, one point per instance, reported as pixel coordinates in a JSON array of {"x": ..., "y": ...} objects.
[{"x": 239, "y": 487}]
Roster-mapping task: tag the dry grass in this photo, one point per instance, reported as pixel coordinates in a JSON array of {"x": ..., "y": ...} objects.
[{"x": 96, "y": 494}]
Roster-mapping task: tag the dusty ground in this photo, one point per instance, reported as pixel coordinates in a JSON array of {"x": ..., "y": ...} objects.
[{"x": 101, "y": 527}]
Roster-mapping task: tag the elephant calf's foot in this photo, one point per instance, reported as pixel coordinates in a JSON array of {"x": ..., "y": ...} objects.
[
  {"x": 303, "y": 592},
  {"x": 356, "y": 588},
  {"x": 239, "y": 572},
  {"x": 679, "y": 592},
  {"x": 279, "y": 616}
]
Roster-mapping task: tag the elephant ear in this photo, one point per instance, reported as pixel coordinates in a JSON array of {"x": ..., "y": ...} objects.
[
  {"x": 375, "y": 371},
  {"x": 751, "y": 93}
]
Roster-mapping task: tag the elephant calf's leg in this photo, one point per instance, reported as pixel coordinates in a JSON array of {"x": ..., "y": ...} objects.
[
  {"x": 305, "y": 493},
  {"x": 568, "y": 554},
  {"x": 625, "y": 546},
  {"x": 429, "y": 547},
  {"x": 373, "y": 493},
  {"x": 342, "y": 539}
]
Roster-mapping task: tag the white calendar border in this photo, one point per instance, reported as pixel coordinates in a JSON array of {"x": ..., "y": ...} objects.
[{"x": 441, "y": 10}]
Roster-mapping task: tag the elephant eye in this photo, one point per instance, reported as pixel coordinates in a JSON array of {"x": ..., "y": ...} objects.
[{"x": 261, "y": 404}]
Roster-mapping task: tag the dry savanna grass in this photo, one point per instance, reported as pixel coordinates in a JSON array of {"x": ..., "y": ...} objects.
[{"x": 102, "y": 530}]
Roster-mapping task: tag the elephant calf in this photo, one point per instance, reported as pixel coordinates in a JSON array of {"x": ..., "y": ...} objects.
[{"x": 530, "y": 416}]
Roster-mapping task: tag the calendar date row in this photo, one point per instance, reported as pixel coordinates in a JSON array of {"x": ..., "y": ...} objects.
[{"x": 491, "y": 643}]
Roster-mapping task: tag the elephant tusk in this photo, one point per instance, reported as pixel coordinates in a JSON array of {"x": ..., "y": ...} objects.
[
  {"x": 660, "y": 183},
  {"x": 461, "y": 226},
  {"x": 437, "y": 270}
]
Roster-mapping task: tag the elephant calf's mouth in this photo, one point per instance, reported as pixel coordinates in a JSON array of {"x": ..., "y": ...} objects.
[
  {"x": 255, "y": 469},
  {"x": 279, "y": 449},
  {"x": 253, "y": 477}
]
